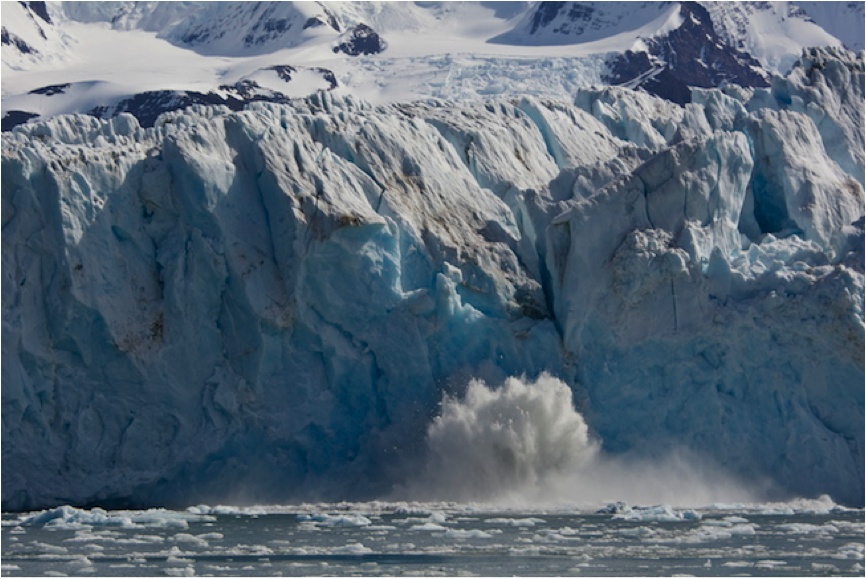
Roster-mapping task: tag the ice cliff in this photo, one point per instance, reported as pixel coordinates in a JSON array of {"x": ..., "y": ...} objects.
[{"x": 270, "y": 304}]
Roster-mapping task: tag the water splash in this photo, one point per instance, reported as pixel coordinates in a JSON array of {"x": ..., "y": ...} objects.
[{"x": 524, "y": 442}]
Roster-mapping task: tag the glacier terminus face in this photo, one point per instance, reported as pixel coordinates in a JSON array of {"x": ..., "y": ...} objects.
[{"x": 315, "y": 300}]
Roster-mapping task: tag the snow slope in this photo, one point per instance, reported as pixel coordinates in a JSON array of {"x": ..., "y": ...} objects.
[
  {"x": 269, "y": 305},
  {"x": 844, "y": 20},
  {"x": 551, "y": 23},
  {"x": 776, "y": 32},
  {"x": 31, "y": 39}
]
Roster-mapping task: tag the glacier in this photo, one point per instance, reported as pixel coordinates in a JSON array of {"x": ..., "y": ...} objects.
[{"x": 270, "y": 305}]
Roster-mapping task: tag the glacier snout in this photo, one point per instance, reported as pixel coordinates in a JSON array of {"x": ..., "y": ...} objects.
[{"x": 269, "y": 305}]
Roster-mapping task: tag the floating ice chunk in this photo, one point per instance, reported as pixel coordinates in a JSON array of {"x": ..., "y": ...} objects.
[
  {"x": 352, "y": 549},
  {"x": 180, "y": 571},
  {"x": 176, "y": 561},
  {"x": 850, "y": 551},
  {"x": 437, "y": 517},
  {"x": 326, "y": 520},
  {"x": 717, "y": 523},
  {"x": 191, "y": 539},
  {"x": 226, "y": 510},
  {"x": 658, "y": 513},
  {"x": 82, "y": 562},
  {"x": 139, "y": 540},
  {"x": 467, "y": 534},
  {"x": 742, "y": 529},
  {"x": 807, "y": 528},
  {"x": 70, "y": 518},
  {"x": 852, "y": 527},
  {"x": 823, "y": 505},
  {"x": 246, "y": 550},
  {"x": 527, "y": 522},
  {"x": 769, "y": 564},
  {"x": 637, "y": 532},
  {"x": 614, "y": 508},
  {"x": 428, "y": 527}
]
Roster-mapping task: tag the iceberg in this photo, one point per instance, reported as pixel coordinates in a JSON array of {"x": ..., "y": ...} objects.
[{"x": 269, "y": 305}]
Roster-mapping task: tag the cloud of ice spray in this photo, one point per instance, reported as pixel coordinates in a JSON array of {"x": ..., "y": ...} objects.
[
  {"x": 497, "y": 440},
  {"x": 525, "y": 442}
]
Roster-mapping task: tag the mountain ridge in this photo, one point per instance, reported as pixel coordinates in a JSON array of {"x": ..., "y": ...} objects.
[{"x": 385, "y": 52}]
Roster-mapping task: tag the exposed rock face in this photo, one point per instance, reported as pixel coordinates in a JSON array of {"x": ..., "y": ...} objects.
[
  {"x": 361, "y": 39},
  {"x": 692, "y": 55}
]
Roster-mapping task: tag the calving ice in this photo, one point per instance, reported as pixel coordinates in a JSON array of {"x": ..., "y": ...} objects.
[
  {"x": 269, "y": 305},
  {"x": 223, "y": 293}
]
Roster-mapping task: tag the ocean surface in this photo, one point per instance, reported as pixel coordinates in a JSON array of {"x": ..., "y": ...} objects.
[{"x": 441, "y": 539}]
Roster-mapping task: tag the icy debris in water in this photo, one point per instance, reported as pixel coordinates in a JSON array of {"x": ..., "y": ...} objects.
[
  {"x": 527, "y": 522},
  {"x": 467, "y": 534},
  {"x": 326, "y": 520},
  {"x": 616, "y": 508},
  {"x": 658, "y": 513},
  {"x": 70, "y": 518},
  {"x": 352, "y": 549},
  {"x": 428, "y": 527},
  {"x": 850, "y": 551}
]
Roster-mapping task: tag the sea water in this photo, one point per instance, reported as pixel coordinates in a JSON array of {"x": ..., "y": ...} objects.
[{"x": 370, "y": 539}]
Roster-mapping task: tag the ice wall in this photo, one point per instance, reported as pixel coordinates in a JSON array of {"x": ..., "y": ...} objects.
[{"x": 269, "y": 305}]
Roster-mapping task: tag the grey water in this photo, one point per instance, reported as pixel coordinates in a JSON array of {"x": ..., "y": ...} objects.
[{"x": 372, "y": 539}]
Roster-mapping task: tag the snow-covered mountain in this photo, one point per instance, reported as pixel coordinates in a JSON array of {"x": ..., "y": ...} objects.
[
  {"x": 103, "y": 58},
  {"x": 270, "y": 304}
]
